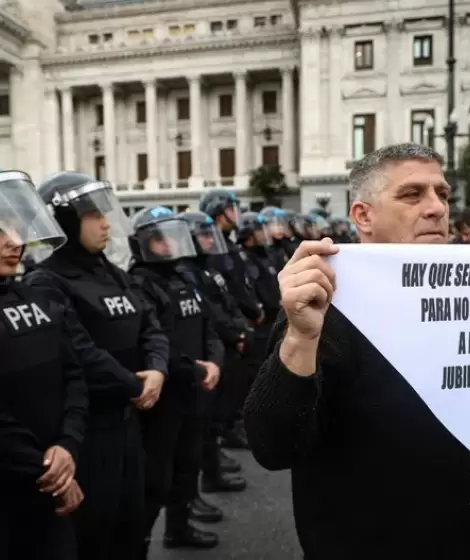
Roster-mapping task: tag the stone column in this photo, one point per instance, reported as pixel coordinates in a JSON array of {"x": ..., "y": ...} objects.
[
  {"x": 68, "y": 132},
  {"x": 109, "y": 132},
  {"x": 241, "y": 104},
  {"x": 288, "y": 121},
  {"x": 394, "y": 128},
  {"x": 151, "y": 129},
  {"x": 52, "y": 131},
  {"x": 197, "y": 180},
  {"x": 311, "y": 162}
]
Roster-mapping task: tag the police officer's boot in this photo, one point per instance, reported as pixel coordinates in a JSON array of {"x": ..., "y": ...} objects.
[
  {"x": 228, "y": 464},
  {"x": 218, "y": 481},
  {"x": 179, "y": 533},
  {"x": 203, "y": 511},
  {"x": 234, "y": 438}
]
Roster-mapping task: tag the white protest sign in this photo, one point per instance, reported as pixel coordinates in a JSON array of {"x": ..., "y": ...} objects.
[{"x": 412, "y": 302}]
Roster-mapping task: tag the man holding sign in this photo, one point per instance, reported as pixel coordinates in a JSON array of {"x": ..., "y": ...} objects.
[{"x": 350, "y": 398}]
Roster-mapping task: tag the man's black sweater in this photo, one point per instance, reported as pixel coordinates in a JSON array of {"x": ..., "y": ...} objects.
[{"x": 374, "y": 472}]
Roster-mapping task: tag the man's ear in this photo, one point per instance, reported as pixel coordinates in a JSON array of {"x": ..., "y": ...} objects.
[{"x": 360, "y": 215}]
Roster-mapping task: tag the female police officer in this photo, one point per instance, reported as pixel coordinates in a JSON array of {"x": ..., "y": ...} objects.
[
  {"x": 124, "y": 356},
  {"x": 42, "y": 393}
]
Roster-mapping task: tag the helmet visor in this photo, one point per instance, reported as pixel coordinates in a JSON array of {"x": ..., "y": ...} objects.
[
  {"x": 167, "y": 240},
  {"x": 211, "y": 240},
  {"x": 24, "y": 218},
  {"x": 277, "y": 227},
  {"x": 262, "y": 235}
]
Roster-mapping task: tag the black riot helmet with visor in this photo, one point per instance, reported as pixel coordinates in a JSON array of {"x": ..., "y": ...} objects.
[
  {"x": 25, "y": 221},
  {"x": 254, "y": 225},
  {"x": 305, "y": 227},
  {"x": 159, "y": 235},
  {"x": 73, "y": 195},
  {"x": 207, "y": 237},
  {"x": 221, "y": 202},
  {"x": 277, "y": 222}
]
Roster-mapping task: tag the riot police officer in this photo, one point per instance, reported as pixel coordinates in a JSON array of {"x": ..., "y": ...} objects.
[
  {"x": 235, "y": 333},
  {"x": 123, "y": 353},
  {"x": 173, "y": 431},
  {"x": 42, "y": 391},
  {"x": 279, "y": 232},
  {"x": 253, "y": 236},
  {"x": 223, "y": 207}
]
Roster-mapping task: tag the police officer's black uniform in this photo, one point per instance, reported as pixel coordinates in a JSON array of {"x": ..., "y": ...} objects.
[
  {"x": 173, "y": 430},
  {"x": 216, "y": 203},
  {"x": 117, "y": 336},
  {"x": 234, "y": 331},
  {"x": 42, "y": 391},
  {"x": 261, "y": 266}
]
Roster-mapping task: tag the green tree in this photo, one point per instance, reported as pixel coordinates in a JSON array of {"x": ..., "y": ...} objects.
[
  {"x": 463, "y": 172},
  {"x": 269, "y": 182}
]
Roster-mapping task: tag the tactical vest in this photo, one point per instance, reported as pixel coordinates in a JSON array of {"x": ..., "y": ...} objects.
[
  {"x": 109, "y": 309},
  {"x": 31, "y": 377}
]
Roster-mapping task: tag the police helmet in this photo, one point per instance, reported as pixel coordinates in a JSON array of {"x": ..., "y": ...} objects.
[
  {"x": 25, "y": 220},
  {"x": 253, "y": 224},
  {"x": 215, "y": 202},
  {"x": 160, "y": 235},
  {"x": 207, "y": 237}
]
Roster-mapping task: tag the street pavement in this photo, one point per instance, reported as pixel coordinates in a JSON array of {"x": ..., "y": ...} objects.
[{"x": 259, "y": 523}]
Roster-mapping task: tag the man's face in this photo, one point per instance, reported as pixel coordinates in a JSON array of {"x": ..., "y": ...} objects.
[
  {"x": 94, "y": 232},
  {"x": 164, "y": 246},
  {"x": 412, "y": 208},
  {"x": 206, "y": 242}
]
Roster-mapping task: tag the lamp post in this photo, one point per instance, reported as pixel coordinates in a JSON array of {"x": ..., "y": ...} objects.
[
  {"x": 323, "y": 200},
  {"x": 451, "y": 128}
]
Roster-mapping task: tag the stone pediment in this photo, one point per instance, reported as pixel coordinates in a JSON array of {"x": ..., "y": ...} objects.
[
  {"x": 366, "y": 92},
  {"x": 421, "y": 88}
]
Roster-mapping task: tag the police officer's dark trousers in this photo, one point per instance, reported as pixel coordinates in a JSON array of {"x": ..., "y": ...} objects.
[
  {"x": 30, "y": 529},
  {"x": 172, "y": 434},
  {"x": 109, "y": 523}
]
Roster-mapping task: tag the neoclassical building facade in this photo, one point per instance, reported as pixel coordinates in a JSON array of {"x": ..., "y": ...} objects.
[{"x": 167, "y": 98}]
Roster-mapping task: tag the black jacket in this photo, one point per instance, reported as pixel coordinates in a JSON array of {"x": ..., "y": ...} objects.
[
  {"x": 192, "y": 337},
  {"x": 374, "y": 472},
  {"x": 112, "y": 346},
  {"x": 43, "y": 399}
]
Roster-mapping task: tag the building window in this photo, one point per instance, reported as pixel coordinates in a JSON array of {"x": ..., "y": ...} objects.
[
  {"x": 4, "y": 105},
  {"x": 182, "y": 208},
  {"x": 99, "y": 114},
  {"x": 421, "y": 131},
  {"x": 363, "y": 135},
  {"x": 107, "y": 37},
  {"x": 133, "y": 34},
  {"x": 216, "y": 26},
  {"x": 100, "y": 168},
  {"x": 270, "y": 155},
  {"x": 227, "y": 164},
  {"x": 269, "y": 102},
  {"x": 93, "y": 39},
  {"x": 147, "y": 33},
  {"x": 189, "y": 28},
  {"x": 182, "y": 108},
  {"x": 232, "y": 24},
  {"x": 174, "y": 30},
  {"x": 422, "y": 50},
  {"x": 364, "y": 55},
  {"x": 260, "y": 21},
  {"x": 184, "y": 165},
  {"x": 225, "y": 105},
  {"x": 140, "y": 112},
  {"x": 275, "y": 19},
  {"x": 142, "y": 168}
]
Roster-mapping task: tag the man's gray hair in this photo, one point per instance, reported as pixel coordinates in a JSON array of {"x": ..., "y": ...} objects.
[{"x": 367, "y": 177}]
